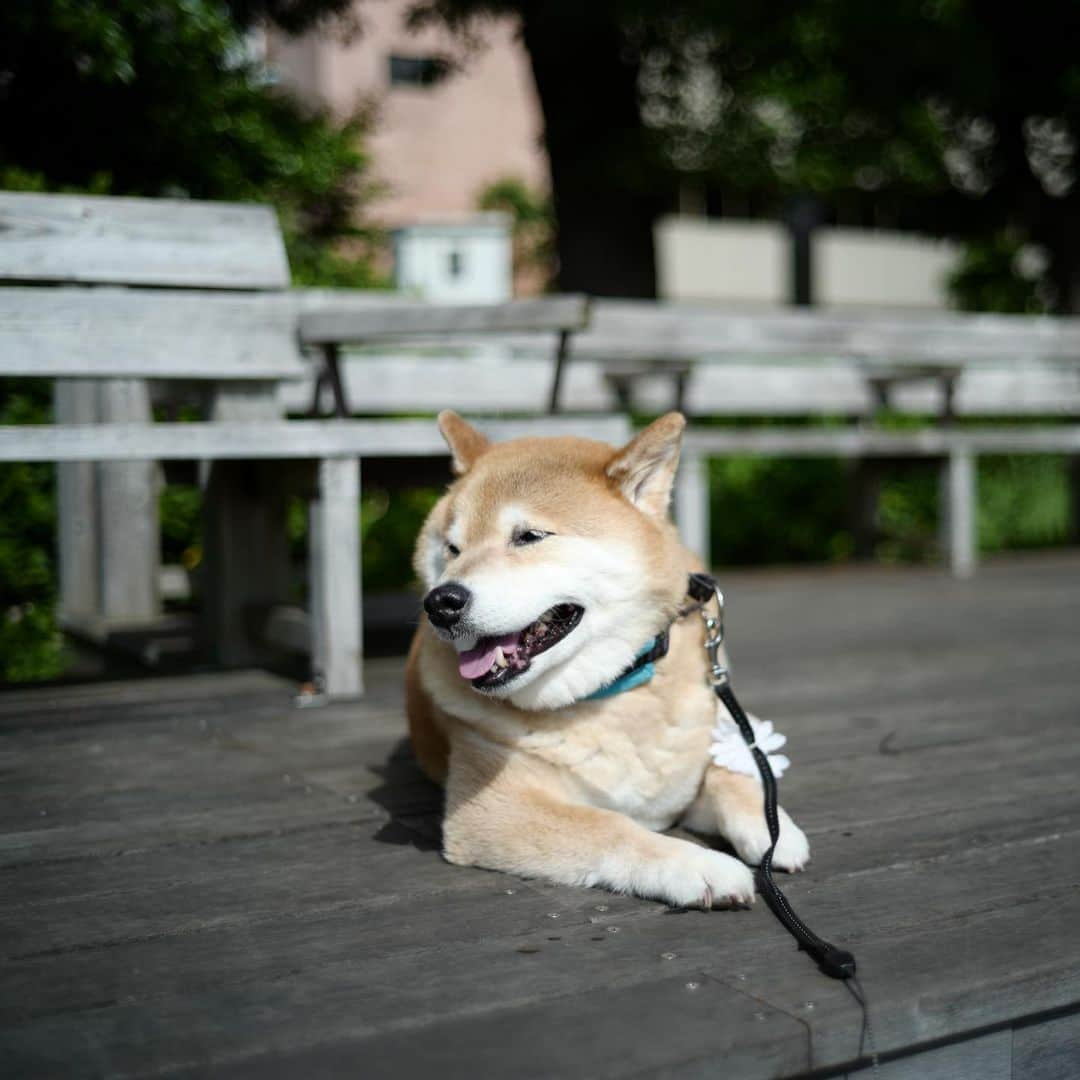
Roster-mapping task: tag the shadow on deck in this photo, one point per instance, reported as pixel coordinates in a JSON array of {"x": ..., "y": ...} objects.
[{"x": 198, "y": 876}]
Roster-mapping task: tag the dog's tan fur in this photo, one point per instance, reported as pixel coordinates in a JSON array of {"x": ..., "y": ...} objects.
[{"x": 579, "y": 794}]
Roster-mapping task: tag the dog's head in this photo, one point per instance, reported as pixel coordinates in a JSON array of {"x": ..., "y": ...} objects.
[{"x": 550, "y": 563}]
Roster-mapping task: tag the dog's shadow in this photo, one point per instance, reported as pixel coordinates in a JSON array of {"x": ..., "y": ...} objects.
[{"x": 414, "y": 803}]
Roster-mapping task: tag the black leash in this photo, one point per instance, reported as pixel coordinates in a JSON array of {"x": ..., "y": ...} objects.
[
  {"x": 834, "y": 961},
  {"x": 831, "y": 959}
]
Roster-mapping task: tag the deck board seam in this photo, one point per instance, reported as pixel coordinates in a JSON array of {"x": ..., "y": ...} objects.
[
  {"x": 182, "y": 845},
  {"x": 912, "y": 1050},
  {"x": 965, "y": 854}
]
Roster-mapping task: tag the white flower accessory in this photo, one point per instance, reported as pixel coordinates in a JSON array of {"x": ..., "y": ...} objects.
[{"x": 730, "y": 751}]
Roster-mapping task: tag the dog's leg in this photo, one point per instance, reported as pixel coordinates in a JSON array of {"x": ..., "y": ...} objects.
[
  {"x": 731, "y": 804},
  {"x": 504, "y": 816}
]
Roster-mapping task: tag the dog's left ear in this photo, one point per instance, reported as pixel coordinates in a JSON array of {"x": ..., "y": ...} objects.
[
  {"x": 465, "y": 442},
  {"x": 644, "y": 469}
]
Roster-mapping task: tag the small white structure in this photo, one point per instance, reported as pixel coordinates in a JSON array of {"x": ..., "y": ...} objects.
[
  {"x": 876, "y": 268},
  {"x": 744, "y": 262},
  {"x": 463, "y": 262}
]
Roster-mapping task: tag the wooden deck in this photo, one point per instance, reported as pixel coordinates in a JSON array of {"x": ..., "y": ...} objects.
[{"x": 198, "y": 877}]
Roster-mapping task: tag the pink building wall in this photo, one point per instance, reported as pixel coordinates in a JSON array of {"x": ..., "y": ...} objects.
[{"x": 433, "y": 147}]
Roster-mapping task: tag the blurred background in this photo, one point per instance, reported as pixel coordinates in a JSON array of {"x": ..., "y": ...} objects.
[{"x": 921, "y": 155}]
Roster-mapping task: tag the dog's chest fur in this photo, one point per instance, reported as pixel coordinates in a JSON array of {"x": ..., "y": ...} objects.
[
  {"x": 643, "y": 758},
  {"x": 642, "y": 753}
]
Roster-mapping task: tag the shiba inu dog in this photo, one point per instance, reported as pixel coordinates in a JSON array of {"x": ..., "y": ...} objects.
[{"x": 550, "y": 565}]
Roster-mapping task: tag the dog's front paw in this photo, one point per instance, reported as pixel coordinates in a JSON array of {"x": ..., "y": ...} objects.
[
  {"x": 749, "y": 836},
  {"x": 693, "y": 876}
]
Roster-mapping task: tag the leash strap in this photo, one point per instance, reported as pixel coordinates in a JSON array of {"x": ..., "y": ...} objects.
[{"x": 832, "y": 960}]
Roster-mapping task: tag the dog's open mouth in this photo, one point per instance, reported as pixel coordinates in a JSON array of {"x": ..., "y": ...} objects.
[{"x": 496, "y": 660}]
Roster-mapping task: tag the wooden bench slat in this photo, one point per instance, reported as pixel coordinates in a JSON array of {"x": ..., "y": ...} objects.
[
  {"x": 865, "y": 442},
  {"x": 272, "y": 439},
  {"x": 343, "y": 326},
  {"x": 155, "y": 334},
  {"x": 626, "y": 329},
  {"x": 157, "y": 242},
  {"x": 420, "y": 438}
]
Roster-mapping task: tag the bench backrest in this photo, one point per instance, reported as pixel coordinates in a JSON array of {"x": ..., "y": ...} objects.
[
  {"x": 411, "y": 320},
  {"x": 161, "y": 243},
  {"x": 769, "y": 363},
  {"x": 203, "y": 296},
  {"x": 629, "y": 328}
]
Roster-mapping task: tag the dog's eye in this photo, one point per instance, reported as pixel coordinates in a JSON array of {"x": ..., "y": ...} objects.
[
  {"x": 529, "y": 536},
  {"x": 452, "y": 550}
]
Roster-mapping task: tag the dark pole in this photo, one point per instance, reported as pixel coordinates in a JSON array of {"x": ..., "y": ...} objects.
[{"x": 804, "y": 214}]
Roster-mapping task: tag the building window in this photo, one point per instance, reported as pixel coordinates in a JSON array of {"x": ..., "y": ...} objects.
[
  {"x": 456, "y": 264},
  {"x": 417, "y": 70}
]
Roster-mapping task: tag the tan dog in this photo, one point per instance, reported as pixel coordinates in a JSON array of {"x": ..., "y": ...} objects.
[{"x": 549, "y": 565}]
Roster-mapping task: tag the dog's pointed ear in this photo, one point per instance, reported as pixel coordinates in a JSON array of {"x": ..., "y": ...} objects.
[
  {"x": 644, "y": 469},
  {"x": 465, "y": 442}
]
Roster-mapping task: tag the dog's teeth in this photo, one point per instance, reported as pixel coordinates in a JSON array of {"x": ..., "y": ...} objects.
[
  {"x": 541, "y": 628},
  {"x": 500, "y": 659}
]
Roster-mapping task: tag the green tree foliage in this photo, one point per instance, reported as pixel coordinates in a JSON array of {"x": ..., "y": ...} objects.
[
  {"x": 954, "y": 117},
  {"x": 156, "y": 98},
  {"x": 161, "y": 97},
  {"x": 30, "y": 642},
  {"x": 533, "y": 218}
]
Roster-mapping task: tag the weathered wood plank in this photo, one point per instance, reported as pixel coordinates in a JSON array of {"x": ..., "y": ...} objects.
[
  {"x": 1047, "y": 1051},
  {"x": 692, "y": 503},
  {"x": 371, "y": 991},
  {"x": 677, "y": 331},
  {"x": 676, "y": 1032},
  {"x": 958, "y": 510},
  {"x": 988, "y": 1057},
  {"x": 128, "y": 541},
  {"x": 863, "y": 442},
  {"x": 339, "y": 326},
  {"x": 107, "y": 332},
  {"x": 146, "y": 875},
  {"x": 333, "y": 999},
  {"x": 346, "y": 941},
  {"x": 245, "y": 535},
  {"x": 513, "y": 374},
  {"x": 943, "y": 980},
  {"x": 337, "y": 645},
  {"x": 124, "y": 241},
  {"x": 75, "y": 401},
  {"x": 285, "y": 439},
  {"x": 74, "y": 704}
]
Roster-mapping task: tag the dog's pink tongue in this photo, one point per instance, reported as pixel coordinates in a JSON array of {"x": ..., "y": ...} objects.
[{"x": 476, "y": 662}]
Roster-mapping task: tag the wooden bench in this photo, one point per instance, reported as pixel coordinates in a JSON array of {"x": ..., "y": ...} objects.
[
  {"x": 800, "y": 364},
  {"x": 957, "y": 448},
  {"x": 331, "y": 328},
  {"x": 110, "y": 294},
  {"x": 888, "y": 353},
  {"x": 205, "y": 314}
]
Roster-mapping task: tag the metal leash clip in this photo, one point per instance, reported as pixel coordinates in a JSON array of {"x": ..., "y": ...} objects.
[{"x": 714, "y": 638}]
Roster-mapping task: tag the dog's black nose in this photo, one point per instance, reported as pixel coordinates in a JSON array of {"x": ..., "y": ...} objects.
[{"x": 445, "y": 604}]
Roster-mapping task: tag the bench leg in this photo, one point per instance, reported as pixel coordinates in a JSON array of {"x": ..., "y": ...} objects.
[
  {"x": 692, "y": 504},
  {"x": 334, "y": 547},
  {"x": 958, "y": 513},
  {"x": 245, "y": 567},
  {"x": 245, "y": 570},
  {"x": 561, "y": 355},
  {"x": 866, "y": 477},
  {"x": 128, "y": 507},
  {"x": 75, "y": 402}
]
